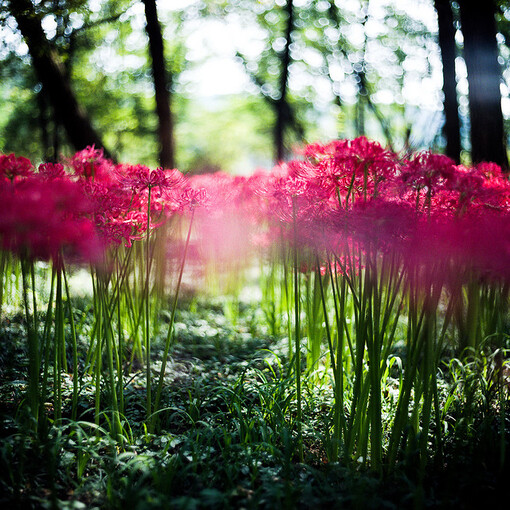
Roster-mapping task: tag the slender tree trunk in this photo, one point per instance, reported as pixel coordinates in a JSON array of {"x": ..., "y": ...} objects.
[
  {"x": 44, "y": 122},
  {"x": 478, "y": 24},
  {"x": 359, "y": 118},
  {"x": 51, "y": 73},
  {"x": 448, "y": 53},
  {"x": 282, "y": 108},
  {"x": 161, "y": 85}
]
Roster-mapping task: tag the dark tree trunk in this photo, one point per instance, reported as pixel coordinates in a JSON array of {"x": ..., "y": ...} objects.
[
  {"x": 478, "y": 24},
  {"x": 282, "y": 108},
  {"x": 44, "y": 122},
  {"x": 52, "y": 75},
  {"x": 161, "y": 85},
  {"x": 448, "y": 53}
]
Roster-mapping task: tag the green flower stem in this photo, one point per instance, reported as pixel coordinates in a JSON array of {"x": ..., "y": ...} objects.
[
  {"x": 473, "y": 314},
  {"x": 169, "y": 336},
  {"x": 119, "y": 358},
  {"x": 97, "y": 365},
  {"x": 33, "y": 348},
  {"x": 108, "y": 335},
  {"x": 147, "y": 312},
  {"x": 336, "y": 362},
  {"x": 4, "y": 266},
  {"x": 74, "y": 347},
  {"x": 59, "y": 345},
  {"x": 297, "y": 333},
  {"x": 339, "y": 297},
  {"x": 46, "y": 342},
  {"x": 358, "y": 404}
]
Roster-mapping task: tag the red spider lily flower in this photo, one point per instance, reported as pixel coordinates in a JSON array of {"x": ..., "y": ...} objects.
[
  {"x": 382, "y": 224},
  {"x": 193, "y": 198},
  {"x": 453, "y": 190},
  {"x": 12, "y": 167},
  {"x": 488, "y": 247},
  {"x": 425, "y": 176},
  {"x": 51, "y": 171},
  {"x": 460, "y": 249},
  {"x": 111, "y": 205},
  {"x": 114, "y": 230},
  {"x": 90, "y": 163},
  {"x": 350, "y": 169},
  {"x": 120, "y": 204},
  {"x": 495, "y": 188},
  {"x": 46, "y": 220},
  {"x": 294, "y": 198},
  {"x": 139, "y": 177},
  {"x": 468, "y": 185},
  {"x": 427, "y": 170}
]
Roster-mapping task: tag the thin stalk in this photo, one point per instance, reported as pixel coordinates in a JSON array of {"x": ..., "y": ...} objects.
[
  {"x": 3, "y": 277},
  {"x": 33, "y": 349},
  {"x": 335, "y": 363},
  {"x": 169, "y": 335},
  {"x": 147, "y": 313},
  {"x": 46, "y": 345},
  {"x": 59, "y": 345},
  {"x": 286, "y": 293},
  {"x": 472, "y": 314},
  {"x": 374, "y": 354},
  {"x": 341, "y": 326},
  {"x": 314, "y": 320},
  {"x": 98, "y": 352},
  {"x": 297, "y": 333},
  {"x": 74, "y": 346},
  {"x": 120, "y": 358},
  {"x": 108, "y": 334},
  {"x": 358, "y": 404},
  {"x": 415, "y": 343},
  {"x": 343, "y": 294},
  {"x": 34, "y": 301},
  {"x": 429, "y": 379},
  {"x": 325, "y": 312},
  {"x": 91, "y": 351}
]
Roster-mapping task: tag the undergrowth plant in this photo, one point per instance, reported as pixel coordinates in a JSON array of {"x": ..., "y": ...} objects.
[{"x": 387, "y": 275}]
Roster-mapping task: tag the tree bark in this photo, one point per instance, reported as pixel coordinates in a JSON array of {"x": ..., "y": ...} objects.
[
  {"x": 478, "y": 25},
  {"x": 448, "y": 48},
  {"x": 52, "y": 75},
  {"x": 282, "y": 108},
  {"x": 161, "y": 86}
]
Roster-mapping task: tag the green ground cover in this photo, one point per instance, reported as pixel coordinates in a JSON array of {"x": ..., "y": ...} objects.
[{"x": 227, "y": 436}]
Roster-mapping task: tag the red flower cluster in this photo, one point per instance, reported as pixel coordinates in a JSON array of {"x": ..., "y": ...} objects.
[
  {"x": 79, "y": 208},
  {"x": 12, "y": 167},
  {"x": 425, "y": 207},
  {"x": 120, "y": 194},
  {"x": 47, "y": 217},
  {"x": 339, "y": 195}
]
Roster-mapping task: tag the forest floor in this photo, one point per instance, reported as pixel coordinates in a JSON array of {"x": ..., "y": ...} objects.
[{"x": 225, "y": 437}]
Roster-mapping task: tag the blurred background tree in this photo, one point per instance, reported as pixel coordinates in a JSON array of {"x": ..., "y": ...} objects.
[
  {"x": 478, "y": 25},
  {"x": 239, "y": 84},
  {"x": 162, "y": 85},
  {"x": 53, "y": 72},
  {"x": 448, "y": 49},
  {"x": 270, "y": 69}
]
